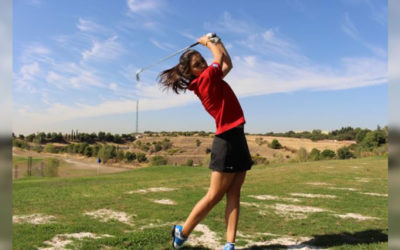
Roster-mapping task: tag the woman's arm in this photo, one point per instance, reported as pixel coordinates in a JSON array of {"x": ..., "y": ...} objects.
[
  {"x": 216, "y": 50},
  {"x": 227, "y": 63}
]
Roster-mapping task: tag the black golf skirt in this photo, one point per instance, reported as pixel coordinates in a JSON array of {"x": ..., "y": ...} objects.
[{"x": 230, "y": 152}]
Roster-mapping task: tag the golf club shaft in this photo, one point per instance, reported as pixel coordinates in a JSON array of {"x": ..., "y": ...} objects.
[{"x": 165, "y": 58}]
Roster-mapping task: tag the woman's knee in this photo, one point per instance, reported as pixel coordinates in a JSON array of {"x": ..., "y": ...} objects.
[
  {"x": 233, "y": 194},
  {"x": 214, "y": 197}
]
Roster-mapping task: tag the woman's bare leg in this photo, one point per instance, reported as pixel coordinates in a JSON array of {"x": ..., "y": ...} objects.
[
  {"x": 233, "y": 206},
  {"x": 219, "y": 185}
]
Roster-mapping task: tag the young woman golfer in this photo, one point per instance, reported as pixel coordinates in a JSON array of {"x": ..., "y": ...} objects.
[{"x": 230, "y": 156}]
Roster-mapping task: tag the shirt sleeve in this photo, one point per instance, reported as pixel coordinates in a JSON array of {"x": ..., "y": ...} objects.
[{"x": 212, "y": 74}]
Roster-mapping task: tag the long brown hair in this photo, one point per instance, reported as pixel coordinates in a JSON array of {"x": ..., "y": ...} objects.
[{"x": 178, "y": 77}]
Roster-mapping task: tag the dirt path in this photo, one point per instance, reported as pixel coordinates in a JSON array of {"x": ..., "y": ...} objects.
[{"x": 75, "y": 165}]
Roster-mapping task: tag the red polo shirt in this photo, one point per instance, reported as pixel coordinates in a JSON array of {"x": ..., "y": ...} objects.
[{"x": 218, "y": 98}]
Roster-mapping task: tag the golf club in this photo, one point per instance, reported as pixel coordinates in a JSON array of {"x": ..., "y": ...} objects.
[{"x": 210, "y": 35}]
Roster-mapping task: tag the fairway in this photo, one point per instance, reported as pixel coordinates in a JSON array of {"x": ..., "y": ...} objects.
[{"x": 337, "y": 204}]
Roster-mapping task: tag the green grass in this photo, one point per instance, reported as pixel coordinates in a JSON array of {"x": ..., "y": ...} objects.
[{"x": 68, "y": 198}]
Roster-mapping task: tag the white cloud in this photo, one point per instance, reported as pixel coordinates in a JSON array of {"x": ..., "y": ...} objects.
[
  {"x": 349, "y": 28},
  {"x": 228, "y": 24},
  {"x": 271, "y": 43},
  {"x": 24, "y": 79},
  {"x": 88, "y": 25},
  {"x": 80, "y": 79},
  {"x": 259, "y": 77},
  {"x": 162, "y": 45},
  {"x": 253, "y": 77},
  {"x": 35, "y": 53},
  {"x": 29, "y": 71},
  {"x": 69, "y": 112},
  {"x": 379, "y": 11},
  {"x": 137, "y": 6},
  {"x": 113, "y": 86},
  {"x": 103, "y": 51}
]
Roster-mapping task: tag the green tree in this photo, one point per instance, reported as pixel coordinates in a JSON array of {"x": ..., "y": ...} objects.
[
  {"x": 107, "y": 152},
  {"x": 130, "y": 156},
  {"x": 40, "y": 138},
  {"x": 373, "y": 139},
  {"x": 344, "y": 153},
  {"x": 328, "y": 154},
  {"x": 141, "y": 157},
  {"x": 96, "y": 149},
  {"x": 361, "y": 135},
  {"x": 88, "y": 151},
  {"x": 30, "y": 137},
  {"x": 82, "y": 147},
  {"x": 102, "y": 136},
  {"x": 275, "y": 144}
]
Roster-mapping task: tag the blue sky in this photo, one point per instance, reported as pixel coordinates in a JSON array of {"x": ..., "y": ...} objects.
[{"x": 298, "y": 64}]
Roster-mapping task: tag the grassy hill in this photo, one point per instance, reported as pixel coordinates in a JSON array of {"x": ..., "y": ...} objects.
[{"x": 338, "y": 204}]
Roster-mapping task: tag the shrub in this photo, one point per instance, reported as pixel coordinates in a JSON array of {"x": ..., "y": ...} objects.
[
  {"x": 37, "y": 148},
  {"x": 344, "y": 153},
  {"x": 198, "y": 143},
  {"x": 257, "y": 159},
  {"x": 315, "y": 155},
  {"x": 189, "y": 162},
  {"x": 275, "y": 144},
  {"x": 96, "y": 149},
  {"x": 120, "y": 155},
  {"x": 129, "y": 156},
  {"x": 302, "y": 154},
  {"x": 166, "y": 144},
  {"x": 107, "y": 152},
  {"x": 373, "y": 139},
  {"x": 328, "y": 154},
  {"x": 208, "y": 150},
  {"x": 157, "y": 147},
  {"x": 141, "y": 157},
  {"x": 361, "y": 135},
  {"x": 49, "y": 148},
  {"x": 88, "y": 151},
  {"x": 158, "y": 161},
  {"x": 20, "y": 144}
]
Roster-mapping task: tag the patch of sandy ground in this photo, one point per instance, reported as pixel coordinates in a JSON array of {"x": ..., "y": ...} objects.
[
  {"x": 151, "y": 190},
  {"x": 106, "y": 215},
  {"x": 286, "y": 211},
  {"x": 343, "y": 188},
  {"x": 60, "y": 241},
  {"x": 355, "y": 216},
  {"x": 33, "y": 219},
  {"x": 375, "y": 194},
  {"x": 207, "y": 238},
  {"x": 328, "y": 196},
  {"x": 318, "y": 183},
  {"x": 273, "y": 198},
  {"x": 210, "y": 240},
  {"x": 164, "y": 202}
]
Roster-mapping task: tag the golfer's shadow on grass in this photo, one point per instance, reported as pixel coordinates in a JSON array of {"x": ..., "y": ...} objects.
[
  {"x": 324, "y": 241},
  {"x": 333, "y": 240}
]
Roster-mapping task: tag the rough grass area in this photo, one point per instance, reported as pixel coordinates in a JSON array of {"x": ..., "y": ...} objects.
[{"x": 324, "y": 204}]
